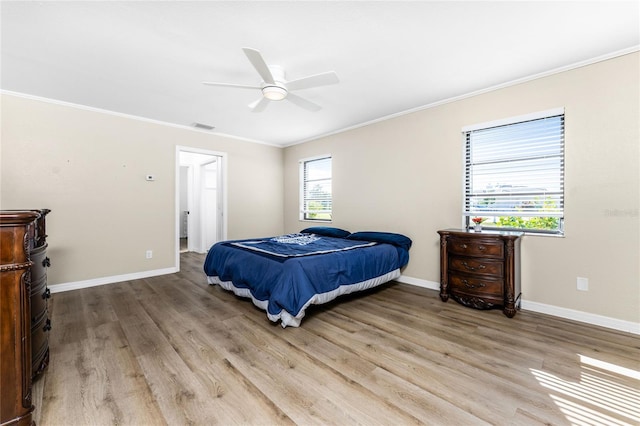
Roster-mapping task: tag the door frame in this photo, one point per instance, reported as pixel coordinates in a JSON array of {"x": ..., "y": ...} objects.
[{"x": 221, "y": 199}]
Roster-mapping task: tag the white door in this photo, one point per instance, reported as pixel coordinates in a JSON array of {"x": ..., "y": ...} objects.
[
  {"x": 210, "y": 212},
  {"x": 205, "y": 198},
  {"x": 184, "y": 201}
]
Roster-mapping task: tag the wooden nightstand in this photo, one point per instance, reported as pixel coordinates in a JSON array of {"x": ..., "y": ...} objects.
[{"x": 481, "y": 269}]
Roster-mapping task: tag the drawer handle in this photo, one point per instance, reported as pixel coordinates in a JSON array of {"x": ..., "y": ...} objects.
[
  {"x": 463, "y": 246},
  {"x": 46, "y": 294},
  {"x": 482, "y": 248},
  {"x": 47, "y": 326},
  {"x": 471, "y": 268},
  {"x": 467, "y": 284},
  {"x": 46, "y": 262}
]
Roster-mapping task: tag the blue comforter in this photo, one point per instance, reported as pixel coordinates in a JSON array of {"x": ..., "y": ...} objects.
[{"x": 286, "y": 274}]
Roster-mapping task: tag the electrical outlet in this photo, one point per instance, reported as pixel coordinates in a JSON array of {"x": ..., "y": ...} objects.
[
  {"x": 149, "y": 254},
  {"x": 582, "y": 284}
]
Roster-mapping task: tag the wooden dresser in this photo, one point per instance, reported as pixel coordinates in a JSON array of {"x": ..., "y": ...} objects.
[
  {"x": 40, "y": 294},
  {"x": 17, "y": 231},
  {"x": 481, "y": 269}
]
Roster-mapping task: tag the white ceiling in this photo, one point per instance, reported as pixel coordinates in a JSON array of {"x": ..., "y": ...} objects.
[{"x": 148, "y": 59}]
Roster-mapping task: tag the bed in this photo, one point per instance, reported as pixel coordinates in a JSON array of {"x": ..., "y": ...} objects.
[{"x": 285, "y": 274}]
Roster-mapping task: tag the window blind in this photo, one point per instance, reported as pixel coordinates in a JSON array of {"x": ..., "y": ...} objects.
[
  {"x": 316, "y": 189},
  {"x": 516, "y": 169}
]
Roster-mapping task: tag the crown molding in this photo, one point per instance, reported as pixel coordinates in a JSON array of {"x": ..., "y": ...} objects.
[
  {"x": 559, "y": 70},
  {"x": 131, "y": 117}
]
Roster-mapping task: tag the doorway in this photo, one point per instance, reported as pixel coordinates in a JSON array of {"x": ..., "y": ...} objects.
[{"x": 200, "y": 199}]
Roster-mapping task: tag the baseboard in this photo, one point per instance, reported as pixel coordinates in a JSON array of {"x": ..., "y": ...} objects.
[
  {"x": 76, "y": 285},
  {"x": 431, "y": 285},
  {"x": 592, "y": 319}
]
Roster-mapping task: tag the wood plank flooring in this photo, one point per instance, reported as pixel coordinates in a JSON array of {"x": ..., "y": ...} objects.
[{"x": 173, "y": 350}]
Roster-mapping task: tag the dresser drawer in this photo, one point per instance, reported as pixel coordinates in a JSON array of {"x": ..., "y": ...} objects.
[
  {"x": 478, "y": 286},
  {"x": 40, "y": 339},
  {"x": 39, "y": 295},
  {"x": 39, "y": 258},
  {"x": 472, "y": 265},
  {"x": 476, "y": 247}
]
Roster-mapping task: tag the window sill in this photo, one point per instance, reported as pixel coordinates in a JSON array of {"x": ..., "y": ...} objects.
[
  {"x": 537, "y": 234},
  {"x": 525, "y": 232}
]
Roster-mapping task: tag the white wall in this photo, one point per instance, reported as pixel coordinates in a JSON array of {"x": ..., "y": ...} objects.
[
  {"x": 405, "y": 175},
  {"x": 89, "y": 168}
]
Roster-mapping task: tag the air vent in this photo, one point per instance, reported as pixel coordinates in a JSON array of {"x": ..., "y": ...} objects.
[{"x": 203, "y": 126}]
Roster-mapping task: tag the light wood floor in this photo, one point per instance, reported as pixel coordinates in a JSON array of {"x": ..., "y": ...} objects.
[{"x": 174, "y": 350}]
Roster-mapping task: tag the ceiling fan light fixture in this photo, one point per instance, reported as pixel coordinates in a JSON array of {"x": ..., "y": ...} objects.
[{"x": 274, "y": 93}]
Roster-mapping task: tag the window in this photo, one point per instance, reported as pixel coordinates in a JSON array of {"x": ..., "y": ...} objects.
[
  {"x": 315, "y": 189},
  {"x": 514, "y": 173}
]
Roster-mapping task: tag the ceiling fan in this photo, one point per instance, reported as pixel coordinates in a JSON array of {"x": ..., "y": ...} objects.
[{"x": 274, "y": 85}]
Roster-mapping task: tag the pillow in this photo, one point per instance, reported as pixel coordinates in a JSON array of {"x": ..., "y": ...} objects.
[
  {"x": 326, "y": 231},
  {"x": 398, "y": 240}
]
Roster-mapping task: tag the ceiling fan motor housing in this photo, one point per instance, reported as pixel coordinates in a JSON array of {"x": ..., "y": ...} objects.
[
  {"x": 277, "y": 91},
  {"x": 274, "y": 93}
]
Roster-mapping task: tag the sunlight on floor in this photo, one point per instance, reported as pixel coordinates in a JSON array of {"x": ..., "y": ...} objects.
[{"x": 606, "y": 394}]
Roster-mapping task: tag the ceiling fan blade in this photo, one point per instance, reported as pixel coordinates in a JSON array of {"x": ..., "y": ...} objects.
[
  {"x": 259, "y": 105},
  {"x": 321, "y": 79},
  {"x": 241, "y": 86},
  {"x": 259, "y": 64},
  {"x": 303, "y": 103}
]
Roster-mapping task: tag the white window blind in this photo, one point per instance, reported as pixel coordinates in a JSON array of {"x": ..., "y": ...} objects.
[
  {"x": 516, "y": 169},
  {"x": 316, "y": 199}
]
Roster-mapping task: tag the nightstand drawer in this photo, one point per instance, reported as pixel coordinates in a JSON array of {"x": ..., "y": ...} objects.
[
  {"x": 476, "y": 247},
  {"x": 476, "y": 285},
  {"x": 472, "y": 265}
]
